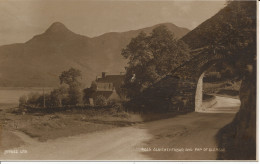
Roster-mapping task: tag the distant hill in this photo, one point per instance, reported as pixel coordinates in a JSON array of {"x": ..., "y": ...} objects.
[{"x": 39, "y": 61}]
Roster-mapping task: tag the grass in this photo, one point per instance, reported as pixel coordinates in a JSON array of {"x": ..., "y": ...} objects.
[{"x": 47, "y": 126}]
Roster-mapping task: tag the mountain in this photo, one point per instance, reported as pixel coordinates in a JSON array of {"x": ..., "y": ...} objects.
[{"x": 39, "y": 61}]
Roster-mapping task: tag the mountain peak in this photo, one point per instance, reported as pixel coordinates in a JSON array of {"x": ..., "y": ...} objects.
[
  {"x": 57, "y": 27},
  {"x": 56, "y": 33}
]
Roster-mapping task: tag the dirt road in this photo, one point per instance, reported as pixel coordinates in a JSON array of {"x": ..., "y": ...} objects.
[{"x": 184, "y": 137}]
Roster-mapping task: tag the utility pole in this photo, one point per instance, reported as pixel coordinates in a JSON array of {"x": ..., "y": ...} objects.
[{"x": 43, "y": 98}]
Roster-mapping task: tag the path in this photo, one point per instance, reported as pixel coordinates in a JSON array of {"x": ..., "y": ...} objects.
[{"x": 192, "y": 130}]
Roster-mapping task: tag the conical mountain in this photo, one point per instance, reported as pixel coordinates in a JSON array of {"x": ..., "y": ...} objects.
[
  {"x": 57, "y": 27},
  {"x": 39, "y": 61},
  {"x": 56, "y": 33}
]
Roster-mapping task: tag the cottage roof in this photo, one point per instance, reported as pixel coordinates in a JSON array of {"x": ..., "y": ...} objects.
[
  {"x": 111, "y": 79},
  {"x": 117, "y": 81}
]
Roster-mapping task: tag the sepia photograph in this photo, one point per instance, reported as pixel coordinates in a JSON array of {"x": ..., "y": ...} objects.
[{"x": 127, "y": 80}]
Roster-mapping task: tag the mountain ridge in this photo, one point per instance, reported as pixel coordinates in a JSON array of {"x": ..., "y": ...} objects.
[{"x": 40, "y": 60}]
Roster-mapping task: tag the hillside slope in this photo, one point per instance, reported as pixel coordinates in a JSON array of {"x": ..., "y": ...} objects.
[{"x": 39, "y": 61}]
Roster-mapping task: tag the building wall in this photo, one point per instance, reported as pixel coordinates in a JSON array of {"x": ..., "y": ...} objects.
[{"x": 104, "y": 86}]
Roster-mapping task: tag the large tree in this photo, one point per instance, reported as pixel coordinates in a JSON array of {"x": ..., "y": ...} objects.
[
  {"x": 71, "y": 78},
  {"x": 151, "y": 57}
]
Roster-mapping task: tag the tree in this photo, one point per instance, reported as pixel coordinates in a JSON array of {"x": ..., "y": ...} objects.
[
  {"x": 88, "y": 92},
  {"x": 151, "y": 57},
  {"x": 71, "y": 78},
  {"x": 74, "y": 95},
  {"x": 34, "y": 99},
  {"x": 57, "y": 97}
]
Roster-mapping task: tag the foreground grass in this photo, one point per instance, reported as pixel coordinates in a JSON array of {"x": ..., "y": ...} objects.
[
  {"x": 62, "y": 124},
  {"x": 49, "y": 126}
]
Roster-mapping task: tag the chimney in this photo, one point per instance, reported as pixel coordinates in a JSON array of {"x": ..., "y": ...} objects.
[{"x": 104, "y": 74}]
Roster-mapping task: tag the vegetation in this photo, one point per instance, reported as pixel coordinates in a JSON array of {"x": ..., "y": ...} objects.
[
  {"x": 66, "y": 95},
  {"x": 58, "y": 97},
  {"x": 100, "y": 101},
  {"x": 22, "y": 100},
  {"x": 71, "y": 78},
  {"x": 234, "y": 33},
  {"x": 151, "y": 57},
  {"x": 88, "y": 92}
]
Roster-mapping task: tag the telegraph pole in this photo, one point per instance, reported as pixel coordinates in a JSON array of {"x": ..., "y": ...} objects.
[{"x": 43, "y": 98}]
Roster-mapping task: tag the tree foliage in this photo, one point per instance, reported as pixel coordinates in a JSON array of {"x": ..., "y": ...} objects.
[
  {"x": 57, "y": 97},
  {"x": 71, "y": 78},
  {"x": 74, "y": 95},
  {"x": 88, "y": 92},
  {"x": 151, "y": 57},
  {"x": 236, "y": 37},
  {"x": 231, "y": 32}
]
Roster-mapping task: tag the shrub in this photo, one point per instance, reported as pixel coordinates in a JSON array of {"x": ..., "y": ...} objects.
[
  {"x": 74, "y": 95},
  {"x": 70, "y": 95},
  {"x": 57, "y": 97},
  {"x": 22, "y": 100},
  {"x": 87, "y": 94},
  {"x": 71, "y": 78},
  {"x": 34, "y": 99},
  {"x": 112, "y": 102}
]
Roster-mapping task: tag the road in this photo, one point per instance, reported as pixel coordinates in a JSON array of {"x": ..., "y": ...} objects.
[
  {"x": 224, "y": 105},
  {"x": 184, "y": 137}
]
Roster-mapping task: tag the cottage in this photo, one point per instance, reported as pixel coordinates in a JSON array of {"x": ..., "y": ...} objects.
[{"x": 109, "y": 86}]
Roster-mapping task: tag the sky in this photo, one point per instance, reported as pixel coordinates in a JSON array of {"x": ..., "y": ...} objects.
[{"x": 20, "y": 20}]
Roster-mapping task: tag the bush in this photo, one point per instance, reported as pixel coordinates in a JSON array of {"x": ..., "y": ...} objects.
[
  {"x": 74, "y": 95},
  {"x": 22, "y": 100},
  {"x": 112, "y": 102},
  {"x": 70, "y": 95},
  {"x": 34, "y": 100},
  {"x": 57, "y": 97},
  {"x": 87, "y": 94}
]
